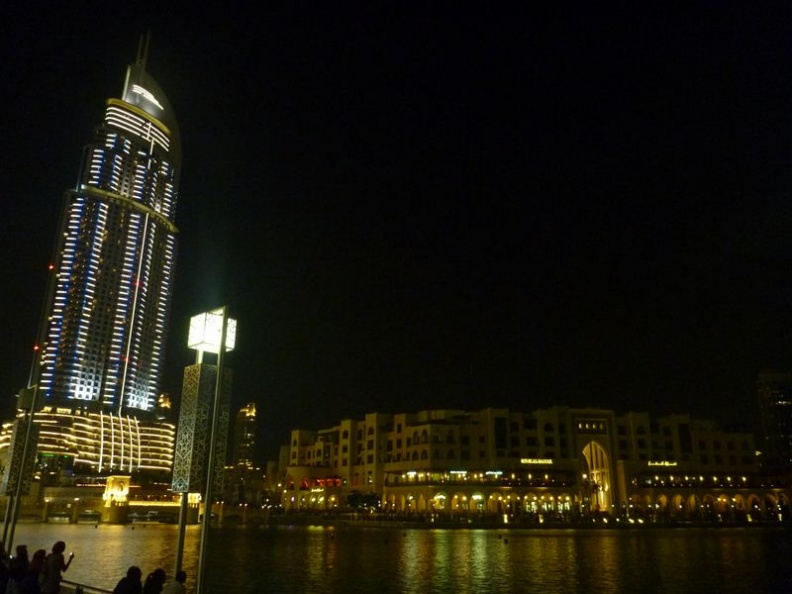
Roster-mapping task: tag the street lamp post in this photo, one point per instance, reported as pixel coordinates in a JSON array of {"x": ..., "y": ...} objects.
[
  {"x": 210, "y": 471},
  {"x": 18, "y": 472},
  {"x": 196, "y": 460}
]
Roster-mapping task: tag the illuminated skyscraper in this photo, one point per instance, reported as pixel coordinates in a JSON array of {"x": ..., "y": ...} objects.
[
  {"x": 99, "y": 357},
  {"x": 112, "y": 276},
  {"x": 245, "y": 435},
  {"x": 774, "y": 391}
]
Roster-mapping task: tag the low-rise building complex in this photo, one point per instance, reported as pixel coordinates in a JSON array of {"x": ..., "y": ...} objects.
[{"x": 556, "y": 463}]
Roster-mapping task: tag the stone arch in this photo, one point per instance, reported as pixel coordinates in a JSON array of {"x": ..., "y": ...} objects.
[
  {"x": 640, "y": 505},
  {"x": 597, "y": 477},
  {"x": 708, "y": 506},
  {"x": 440, "y": 502},
  {"x": 477, "y": 501},
  {"x": 565, "y": 501},
  {"x": 511, "y": 503},
  {"x": 547, "y": 503},
  {"x": 721, "y": 505},
  {"x": 781, "y": 507},
  {"x": 678, "y": 505},
  {"x": 694, "y": 506},
  {"x": 739, "y": 502},
  {"x": 494, "y": 503},
  {"x": 776, "y": 506},
  {"x": 420, "y": 503},
  {"x": 661, "y": 504},
  {"x": 458, "y": 502},
  {"x": 531, "y": 503},
  {"x": 753, "y": 505}
]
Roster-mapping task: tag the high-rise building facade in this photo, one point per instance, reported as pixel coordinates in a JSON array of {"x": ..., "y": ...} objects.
[
  {"x": 244, "y": 435},
  {"x": 102, "y": 341},
  {"x": 774, "y": 392},
  {"x": 244, "y": 482},
  {"x": 100, "y": 351}
]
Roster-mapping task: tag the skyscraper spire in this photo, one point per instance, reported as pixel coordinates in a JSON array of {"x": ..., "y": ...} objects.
[{"x": 143, "y": 48}]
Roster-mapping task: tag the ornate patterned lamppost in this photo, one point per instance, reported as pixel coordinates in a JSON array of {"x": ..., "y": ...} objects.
[{"x": 203, "y": 423}]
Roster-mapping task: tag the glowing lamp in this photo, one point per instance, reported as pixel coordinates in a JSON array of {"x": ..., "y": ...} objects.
[{"x": 206, "y": 331}]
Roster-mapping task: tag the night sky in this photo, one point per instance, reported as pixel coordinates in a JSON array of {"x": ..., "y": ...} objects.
[{"x": 409, "y": 207}]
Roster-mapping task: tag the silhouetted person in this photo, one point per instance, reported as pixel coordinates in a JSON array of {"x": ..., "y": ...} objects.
[
  {"x": 3, "y": 567},
  {"x": 54, "y": 566},
  {"x": 154, "y": 582},
  {"x": 130, "y": 584},
  {"x": 30, "y": 583},
  {"x": 17, "y": 569}
]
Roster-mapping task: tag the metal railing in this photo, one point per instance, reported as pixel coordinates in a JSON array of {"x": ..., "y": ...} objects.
[{"x": 70, "y": 587}]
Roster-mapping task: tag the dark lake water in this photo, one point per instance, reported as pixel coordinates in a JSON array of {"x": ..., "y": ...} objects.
[{"x": 391, "y": 560}]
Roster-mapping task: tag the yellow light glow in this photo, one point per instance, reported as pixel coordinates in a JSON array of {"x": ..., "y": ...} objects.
[{"x": 116, "y": 490}]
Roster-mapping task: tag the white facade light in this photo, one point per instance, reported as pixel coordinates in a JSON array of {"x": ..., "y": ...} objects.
[{"x": 206, "y": 332}]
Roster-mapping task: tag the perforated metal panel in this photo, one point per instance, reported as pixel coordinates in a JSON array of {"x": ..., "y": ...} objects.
[
  {"x": 16, "y": 449},
  {"x": 191, "y": 461}
]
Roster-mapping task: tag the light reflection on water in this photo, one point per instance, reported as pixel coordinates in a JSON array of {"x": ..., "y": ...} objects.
[
  {"x": 353, "y": 559},
  {"x": 103, "y": 553}
]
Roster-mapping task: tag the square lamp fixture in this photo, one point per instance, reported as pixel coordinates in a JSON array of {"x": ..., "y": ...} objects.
[{"x": 206, "y": 330}]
